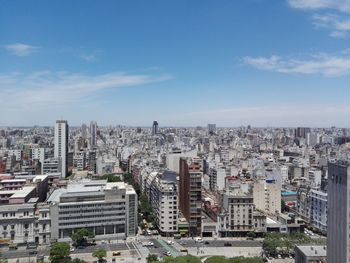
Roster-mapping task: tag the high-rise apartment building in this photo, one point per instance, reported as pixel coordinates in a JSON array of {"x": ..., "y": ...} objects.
[
  {"x": 338, "y": 230},
  {"x": 61, "y": 145},
  {"x": 155, "y": 128},
  {"x": 211, "y": 128},
  {"x": 93, "y": 134},
  {"x": 190, "y": 193}
]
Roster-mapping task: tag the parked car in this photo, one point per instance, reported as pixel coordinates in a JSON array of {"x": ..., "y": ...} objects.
[{"x": 227, "y": 244}]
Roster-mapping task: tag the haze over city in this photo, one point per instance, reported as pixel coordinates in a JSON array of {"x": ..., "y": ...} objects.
[{"x": 265, "y": 63}]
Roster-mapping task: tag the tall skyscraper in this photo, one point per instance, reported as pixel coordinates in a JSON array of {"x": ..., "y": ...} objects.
[
  {"x": 155, "y": 128},
  {"x": 84, "y": 131},
  {"x": 190, "y": 193},
  {"x": 61, "y": 145},
  {"x": 211, "y": 128},
  {"x": 338, "y": 232},
  {"x": 93, "y": 134}
]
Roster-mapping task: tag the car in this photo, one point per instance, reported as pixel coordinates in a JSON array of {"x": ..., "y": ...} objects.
[
  {"x": 116, "y": 253},
  {"x": 170, "y": 242},
  {"x": 227, "y": 244},
  {"x": 199, "y": 240},
  {"x": 279, "y": 256},
  {"x": 72, "y": 249},
  {"x": 183, "y": 243},
  {"x": 167, "y": 253},
  {"x": 206, "y": 243},
  {"x": 80, "y": 247},
  {"x": 33, "y": 252}
]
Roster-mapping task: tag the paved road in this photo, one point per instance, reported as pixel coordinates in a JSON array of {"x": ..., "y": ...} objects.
[
  {"x": 220, "y": 243},
  {"x": 27, "y": 252}
]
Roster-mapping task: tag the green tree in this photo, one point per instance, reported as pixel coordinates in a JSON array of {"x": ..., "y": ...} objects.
[
  {"x": 99, "y": 253},
  {"x": 59, "y": 253},
  {"x": 151, "y": 258},
  {"x": 245, "y": 260},
  {"x": 80, "y": 236},
  {"x": 111, "y": 178},
  {"x": 283, "y": 206},
  {"x": 216, "y": 259},
  {"x": 78, "y": 260}
]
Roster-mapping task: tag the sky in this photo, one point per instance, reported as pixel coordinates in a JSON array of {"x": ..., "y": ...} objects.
[{"x": 183, "y": 63}]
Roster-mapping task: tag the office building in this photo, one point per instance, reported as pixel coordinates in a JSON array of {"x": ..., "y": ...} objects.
[
  {"x": 61, "y": 145},
  {"x": 108, "y": 209},
  {"x": 52, "y": 165},
  {"x": 190, "y": 193},
  {"x": 338, "y": 232}
]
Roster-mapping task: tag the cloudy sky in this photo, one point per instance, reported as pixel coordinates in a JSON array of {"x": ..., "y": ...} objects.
[{"x": 183, "y": 63}]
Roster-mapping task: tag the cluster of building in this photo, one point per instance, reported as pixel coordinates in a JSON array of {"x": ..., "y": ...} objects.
[{"x": 219, "y": 182}]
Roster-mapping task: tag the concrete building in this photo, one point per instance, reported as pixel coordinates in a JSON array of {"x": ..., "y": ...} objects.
[
  {"x": 311, "y": 254},
  {"x": 190, "y": 193},
  {"x": 267, "y": 197},
  {"x": 211, "y": 128},
  {"x": 164, "y": 202},
  {"x": 239, "y": 215},
  {"x": 52, "y": 165},
  {"x": 79, "y": 161},
  {"x": 155, "y": 128},
  {"x": 338, "y": 232},
  {"x": 93, "y": 134},
  {"x": 61, "y": 145},
  {"x": 318, "y": 210},
  {"x": 108, "y": 209}
]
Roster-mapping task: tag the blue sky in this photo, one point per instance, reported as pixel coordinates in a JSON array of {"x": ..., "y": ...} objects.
[{"x": 183, "y": 63}]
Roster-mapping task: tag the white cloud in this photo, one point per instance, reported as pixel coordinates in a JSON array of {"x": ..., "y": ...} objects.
[
  {"x": 274, "y": 115},
  {"x": 20, "y": 50},
  {"x": 335, "y": 17},
  {"x": 338, "y": 5},
  {"x": 47, "y": 89},
  {"x": 323, "y": 64},
  {"x": 338, "y": 25},
  {"x": 89, "y": 58}
]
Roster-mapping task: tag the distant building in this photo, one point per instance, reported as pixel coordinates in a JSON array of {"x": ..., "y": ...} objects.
[
  {"x": 190, "y": 193},
  {"x": 61, "y": 145},
  {"x": 338, "y": 232},
  {"x": 93, "y": 134},
  {"x": 155, "y": 128},
  {"x": 211, "y": 128},
  {"x": 311, "y": 254}
]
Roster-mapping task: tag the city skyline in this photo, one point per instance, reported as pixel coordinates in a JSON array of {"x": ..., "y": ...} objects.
[{"x": 279, "y": 64}]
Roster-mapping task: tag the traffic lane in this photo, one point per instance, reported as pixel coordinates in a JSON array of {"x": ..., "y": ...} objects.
[
  {"x": 221, "y": 243},
  {"x": 157, "y": 248},
  {"x": 31, "y": 252}
]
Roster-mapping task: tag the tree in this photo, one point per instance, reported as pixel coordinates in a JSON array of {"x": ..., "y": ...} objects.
[
  {"x": 78, "y": 260},
  {"x": 111, "y": 178},
  {"x": 216, "y": 259},
  {"x": 79, "y": 236},
  {"x": 99, "y": 253},
  {"x": 59, "y": 253},
  {"x": 151, "y": 258}
]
